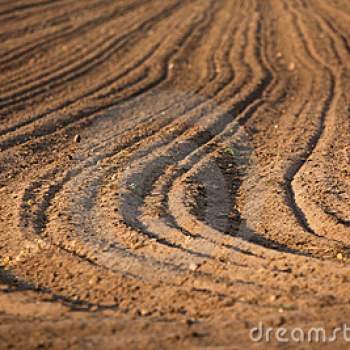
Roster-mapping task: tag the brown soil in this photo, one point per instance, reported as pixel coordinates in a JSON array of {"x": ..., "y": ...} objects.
[{"x": 172, "y": 172}]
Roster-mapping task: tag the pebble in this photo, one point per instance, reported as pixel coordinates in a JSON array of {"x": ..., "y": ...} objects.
[
  {"x": 143, "y": 312},
  {"x": 6, "y": 261},
  {"x": 94, "y": 280},
  {"x": 340, "y": 256},
  {"x": 273, "y": 298},
  {"x": 291, "y": 66},
  {"x": 77, "y": 138},
  {"x": 193, "y": 267}
]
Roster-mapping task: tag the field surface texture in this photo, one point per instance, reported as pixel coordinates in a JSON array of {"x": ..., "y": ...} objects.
[{"x": 173, "y": 172}]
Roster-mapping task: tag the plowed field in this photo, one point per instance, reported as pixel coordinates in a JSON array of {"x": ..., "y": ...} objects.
[{"x": 173, "y": 172}]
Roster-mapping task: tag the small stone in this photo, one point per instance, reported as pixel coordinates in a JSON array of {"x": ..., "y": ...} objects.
[
  {"x": 94, "y": 280},
  {"x": 291, "y": 66},
  {"x": 273, "y": 298},
  {"x": 77, "y": 138},
  {"x": 193, "y": 267},
  {"x": 6, "y": 261},
  {"x": 143, "y": 312},
  {"x": 340, "y": 256},
  {"x": 41, "y": 244},
  {"x": 133, "y": 186}
]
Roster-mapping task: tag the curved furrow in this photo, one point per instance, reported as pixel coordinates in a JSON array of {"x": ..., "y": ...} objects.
[
  {"x": 29, "y": 51},
  {"x": 21, "y": 77},
  {"x": 55, "y": 38},
  {"x": 53, "y": 17},
  {"x": 89, "y": 93},
  {"x": 85, "y": 95},
  {"x": 320, "y": 141},
  {"x": 195, "y": 157},
  {"x": 78, "y": 74},
  {"x": 82, "y": 54},
  {"x": 160, "y": 75},
  {"x": 335, "y": 12},
  {"x": 109, "y": 254},
  {"x": 115, "y": 258},
  {"x": 161, "y": 185},
  {"x": 27, "y": 6},
  {"x": 188, "y": 220},
  {"x": 176, "y": 151},
  {"x": 323, "y": 148},
  {"x": 276, "y": 185},
  {"x": 174, "y": 170},
  {"x": 83, "y": 68},
  {"x": 31, "y": 24},
  {"x": 272, "y": 187},
  {"x": 109, "y": 250}
]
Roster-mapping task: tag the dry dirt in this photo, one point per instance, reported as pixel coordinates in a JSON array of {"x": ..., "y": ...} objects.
[{"x": 173, "y": 172}]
